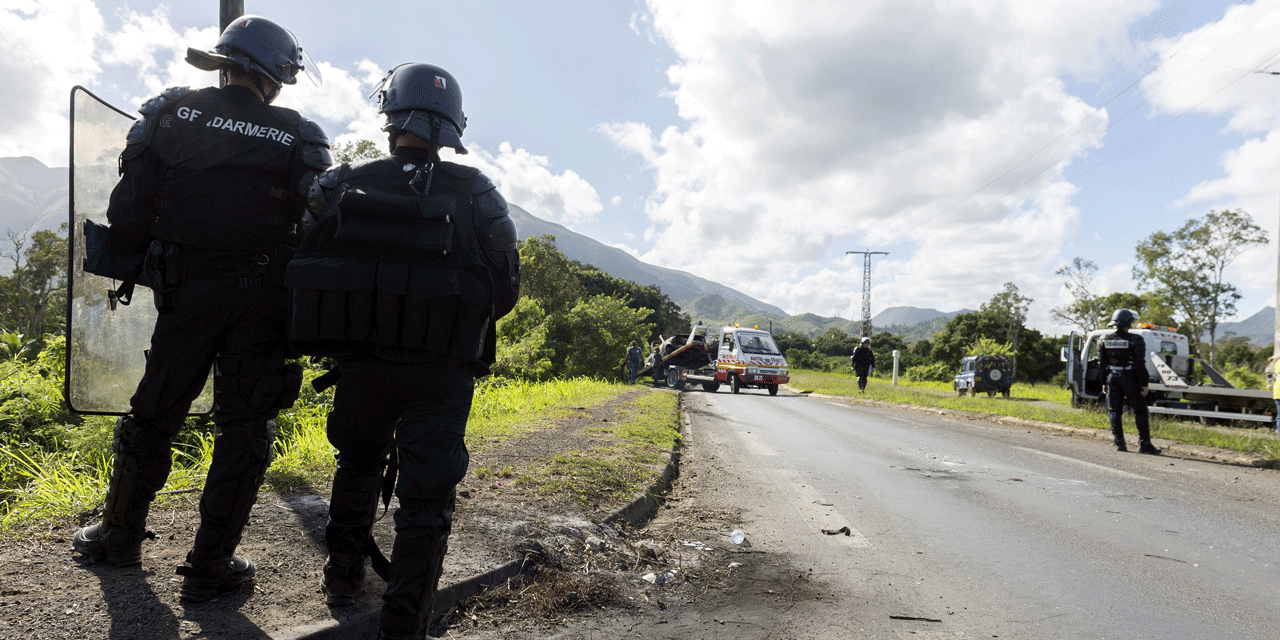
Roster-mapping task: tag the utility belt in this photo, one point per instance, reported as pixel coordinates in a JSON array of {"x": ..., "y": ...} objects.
[
  {"x": 169, "y": 265},
  {"x": 1120, "y": 369}
]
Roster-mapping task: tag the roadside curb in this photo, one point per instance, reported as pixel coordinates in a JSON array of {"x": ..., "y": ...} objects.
[
  {"x": 1212, "y": 454},
  {"x": 638, "y": 510}
]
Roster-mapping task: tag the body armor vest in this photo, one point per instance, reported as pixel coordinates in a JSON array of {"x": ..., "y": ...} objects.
[
  {"x": 389, "y": 268},
  {"x": 1119, "y": 352}
]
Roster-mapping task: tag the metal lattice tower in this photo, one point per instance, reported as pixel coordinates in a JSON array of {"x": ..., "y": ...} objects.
[{"x": 866, "y": 287}]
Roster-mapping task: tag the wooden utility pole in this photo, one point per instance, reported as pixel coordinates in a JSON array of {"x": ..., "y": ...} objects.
[{"x": 866, "y": 288}]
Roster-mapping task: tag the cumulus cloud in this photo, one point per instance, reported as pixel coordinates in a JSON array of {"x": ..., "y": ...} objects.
[
  {"x": 816, "y": 127},
  {"x": 1217, "y": 61},
  {"x": 45, "y": 49},
  {"x": 526, "y": 180}
]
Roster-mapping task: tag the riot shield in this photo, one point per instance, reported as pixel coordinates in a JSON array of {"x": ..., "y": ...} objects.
[{"x": 106, "y": 342}]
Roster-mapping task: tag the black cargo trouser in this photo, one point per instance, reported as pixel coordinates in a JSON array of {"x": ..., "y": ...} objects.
[
  {"x": 242, "y": 329},
  {"x": 421, "y": 409},
  {"x": 1122, "y": 389}
]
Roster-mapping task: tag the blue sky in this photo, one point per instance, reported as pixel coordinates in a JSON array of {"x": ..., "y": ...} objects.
[{"x": 753, "y": 143}]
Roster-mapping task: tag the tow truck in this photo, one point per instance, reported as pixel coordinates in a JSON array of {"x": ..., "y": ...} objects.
[
  {"x": 735, "y": 356},
  {"x": 1169, "y": 368}
]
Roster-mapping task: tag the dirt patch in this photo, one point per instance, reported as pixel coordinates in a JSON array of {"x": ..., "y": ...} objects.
[{"x": 47, "y": 592}]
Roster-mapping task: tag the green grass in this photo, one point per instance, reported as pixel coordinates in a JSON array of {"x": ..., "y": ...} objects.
[
  {"x": 40, "y": 486},
  {"x": 623, "y": 464},
  {"x": 1022, "y": 405}
]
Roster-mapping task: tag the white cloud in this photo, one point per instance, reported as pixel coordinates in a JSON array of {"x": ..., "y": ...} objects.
[
  {"x": 615, "y": 201},
  {"x": 525, "y": 180},
  {"x": 816, "y": 127},
  {"x": 45, "y": 49},
  {"x": 1208, "y": 71}
]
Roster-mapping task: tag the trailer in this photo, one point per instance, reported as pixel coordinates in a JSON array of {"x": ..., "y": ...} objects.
[
  {"x": 735, "y": 356},
  {"x": 1170, "y": 390}
]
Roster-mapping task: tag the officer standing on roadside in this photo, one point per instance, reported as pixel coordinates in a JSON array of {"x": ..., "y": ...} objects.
[
  {"x": 409, "y": 266},
  {"x": 213, "y": 182},
  {"x": 1122, "y": 359},
  {"x": 863, "y": 361}
]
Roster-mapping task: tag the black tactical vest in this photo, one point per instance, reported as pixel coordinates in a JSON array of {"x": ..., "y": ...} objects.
[
  {"x": 386, "y": 268},
  {"x": 1119, "y": 352}
]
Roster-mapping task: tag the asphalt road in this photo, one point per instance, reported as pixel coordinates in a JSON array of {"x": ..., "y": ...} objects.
[{"x": 967, "y": 529}]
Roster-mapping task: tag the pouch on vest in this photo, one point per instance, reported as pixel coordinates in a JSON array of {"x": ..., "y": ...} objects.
[{"x": 412, "y": 222}]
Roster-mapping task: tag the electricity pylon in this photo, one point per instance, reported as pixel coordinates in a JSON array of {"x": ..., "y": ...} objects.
[{"x": 866, "y": 287}]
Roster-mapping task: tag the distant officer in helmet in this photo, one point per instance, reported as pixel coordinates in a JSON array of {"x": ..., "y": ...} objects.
[
  {"x": 410, "y": 264},
  {"x": 1122, "y": 359},
  {"x": 863, "y": 361},
  {"x": 213, "y": 183}
]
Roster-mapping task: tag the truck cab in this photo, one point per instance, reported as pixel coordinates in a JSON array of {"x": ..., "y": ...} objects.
[{"x": 750, "y": 358}]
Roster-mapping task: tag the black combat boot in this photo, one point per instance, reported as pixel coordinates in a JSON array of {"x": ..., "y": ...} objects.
[
  {"x": 343, "y": 579},
  {"x": 1146, "y": 447},
  {"x": 241, "y": 455},
  {"x": 214, "y": 578},
  {"x": 1117, "y": 437},
  {"x": 139, "y": 469}
]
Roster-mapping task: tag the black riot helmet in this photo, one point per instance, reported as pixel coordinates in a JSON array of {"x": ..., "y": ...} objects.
[
  {"x": 1123, "y": 319},
  {"x": 424, "y": 100},
  {"x": 254, "y": 43}
]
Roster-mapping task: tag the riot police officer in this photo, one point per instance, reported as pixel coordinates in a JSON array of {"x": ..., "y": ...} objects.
[
  {"x": 410, "y": 264},
  {"x": 863, "y": 361},
  {"x": 1122, "y": 359},
  {"x": 213, "y": 182}
]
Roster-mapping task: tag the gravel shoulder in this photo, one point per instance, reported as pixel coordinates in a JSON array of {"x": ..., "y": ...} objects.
[{"x": 48, "y": 592}]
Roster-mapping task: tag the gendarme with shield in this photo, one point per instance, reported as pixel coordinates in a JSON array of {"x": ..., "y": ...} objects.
[
  {"x": 1122, "y": 361},
  {"x": 410, "y": 264},
  {"x": 213, "y": 184}
]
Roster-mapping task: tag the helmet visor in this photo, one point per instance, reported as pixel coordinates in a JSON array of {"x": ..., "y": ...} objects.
[{"x": 310, "y": 67}]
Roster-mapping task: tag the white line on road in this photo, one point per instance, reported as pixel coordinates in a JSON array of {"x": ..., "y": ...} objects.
[
  {"x": 816, "y": 510},
  {"x": 755, "y": 444},
  {"x": 1099, "y": 467}
]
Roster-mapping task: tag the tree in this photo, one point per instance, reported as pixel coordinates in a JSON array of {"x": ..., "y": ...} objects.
[
  {"x": 1187, "y": 267},
  {"x": 33, "y": 295},
  {"x": 1009, "y": 310},
  {"x": 950, "y": 344},
  {"x": 1085, "y": 308},
  {"x": 601, "y": 328},
  {"x": 665, "y": 316},
  {"x": 834, "y": 342},
  {"x": 546, "y": 274},
  {"x": 358, "y": 150}
]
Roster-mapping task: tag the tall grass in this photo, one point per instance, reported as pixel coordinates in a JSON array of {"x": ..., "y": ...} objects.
[
  {"x": 37, "y": 484},
  {"x": 1042, "y": 402}
]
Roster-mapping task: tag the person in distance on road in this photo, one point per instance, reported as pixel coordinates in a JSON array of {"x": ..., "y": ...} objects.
[
  {"x": 633, "y": 360},
  {"x": 409, "y": 266},
  {"x": 1122, "y": 360},
  {"x": 863, "y": 361},
  {"x": 213, "y": 184}
]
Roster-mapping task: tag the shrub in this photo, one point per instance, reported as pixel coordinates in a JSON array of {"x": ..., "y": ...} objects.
[{"x": 936, "y": 372}]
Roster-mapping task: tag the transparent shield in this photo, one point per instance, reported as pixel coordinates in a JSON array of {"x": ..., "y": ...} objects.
[{"x": 106, "y": 347}]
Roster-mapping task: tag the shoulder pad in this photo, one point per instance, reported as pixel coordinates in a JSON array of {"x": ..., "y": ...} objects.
[
  {"x": 330, "y": 179},
  {"x": 492, "y": 204},
  {"x": 176, "y": 93},
  {"x": 152, "y": 106},
  {"x": 137, "y": 133},
  {"x": 458, "y": 170},
  {"x": 309, "y": 131},
  {"x": 476, "y": 182}
]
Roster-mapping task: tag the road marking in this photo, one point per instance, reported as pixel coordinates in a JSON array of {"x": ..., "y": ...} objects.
[
  {"x": 755, "y": 444},
  {"x": 816, "y": 510},
  {"x": 845, "y": 405},
  {"x": 1099, "y": 467}
]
